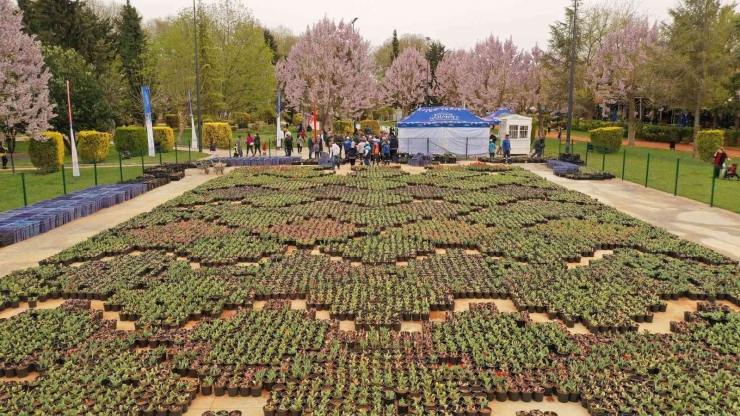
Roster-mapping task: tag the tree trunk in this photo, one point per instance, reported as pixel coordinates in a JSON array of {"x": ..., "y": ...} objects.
[
  {"x": 180, "y": 126},
  {"x": 715, "y": 118},
  {"x": 697, "y": 121},
  {"x": 737, "y": 119},
  {"x": 11, "y": 150},
  {"x": 631, "y": 125}
]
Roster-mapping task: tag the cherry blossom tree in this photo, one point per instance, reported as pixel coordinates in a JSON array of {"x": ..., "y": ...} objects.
[
  {"x": 534, "y": 86},
  {"x": 332, "y": 64},
  {"x": 620, "y": 72},
  {"x": 405, "y": 81},
  {"x": 449, "y": 74},
  {"x": 24, "y": 91}
]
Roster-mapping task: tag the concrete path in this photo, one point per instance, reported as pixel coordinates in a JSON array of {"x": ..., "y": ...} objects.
[
  {"x": 29, "y": 252},
  {"x": 714, "y": 228}
]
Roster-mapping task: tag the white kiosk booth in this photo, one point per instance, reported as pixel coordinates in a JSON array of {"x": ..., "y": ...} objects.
[{"x": 519, "y": 129}]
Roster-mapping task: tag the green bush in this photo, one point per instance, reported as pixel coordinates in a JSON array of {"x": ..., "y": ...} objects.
[
  {"x": 47, "y": 154},
  {"x": 164, "y": 137},
  {"x": 219, "y": 132},
  {"x": 707, "y": 143},
  {"x": 172, "y": 120},
  {"x": 93, "y": 146},
  {"x": 343, "y": 127},
  {"x": 373, "y": 125},
  {"x": 731, "y": 137},
  {"x": 131, "y": 139},
  {"x": 297, "y": 119},
  {"x": 241, "y": 119},
  {"x": 664, "y": 134},
  {"x": 607, "y": 139}
]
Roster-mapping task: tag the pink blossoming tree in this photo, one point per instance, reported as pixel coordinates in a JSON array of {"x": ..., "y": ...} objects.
[
  {"x": 24, "y": 91},
  {"x": 405, "y": 81},
  {"x": 620, "y": 71},
  {"x": 332, "y": 64},
  {"x": 449, "y": 74}
]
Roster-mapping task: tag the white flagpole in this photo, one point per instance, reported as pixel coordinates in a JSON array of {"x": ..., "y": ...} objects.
[
  {"x": 75, "y": 161},
  {"x": 194, "y": 140},
  {"x": 148, "y": 119}
]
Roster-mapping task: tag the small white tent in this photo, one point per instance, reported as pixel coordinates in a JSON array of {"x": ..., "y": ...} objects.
[
  {"x": 519, "y": 129},
  {"x": 440, "y": 130}
]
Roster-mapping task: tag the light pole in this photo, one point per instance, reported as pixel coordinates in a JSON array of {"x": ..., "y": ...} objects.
[
  {"x": 197, "y": 79},
  {"x": 572, "y": 76},
  {"x": 429, "y": 70}
]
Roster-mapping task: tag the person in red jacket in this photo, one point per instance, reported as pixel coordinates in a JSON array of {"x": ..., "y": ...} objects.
[{"x": 719, "y": 160}]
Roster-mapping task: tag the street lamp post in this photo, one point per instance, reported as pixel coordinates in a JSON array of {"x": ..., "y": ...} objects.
[
  {"x": 197, "y": 79},
  {"x": 572, "y": 77},
  {"x": 429, "y": 70}
]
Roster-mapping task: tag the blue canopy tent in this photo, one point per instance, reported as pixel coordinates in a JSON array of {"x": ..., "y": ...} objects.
[
  {"x": 494, "y": 118},
  {"x": 441, "y": 130}
]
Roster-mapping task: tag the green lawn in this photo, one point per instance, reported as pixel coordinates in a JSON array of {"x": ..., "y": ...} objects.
[
  {"x": 22, "y": 159},
  {"x": 41, "y": 187},
  {"x": 694, "y": 176}
]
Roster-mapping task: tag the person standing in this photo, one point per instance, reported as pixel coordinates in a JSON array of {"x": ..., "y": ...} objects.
[
  {"x": 351, "y": 153},
  {"x": 299, "y": 142},
  {"x": 720, "y": 157},
  {"x": 560, "y": 131},
  {"x": 288, "y": 144},
  {"x": 310, "y": 147},
  {"x": 394, "y": 148},
  {"x": 250, "y": 143},
  {"x": 386, "y": 149},
  {"x": 492, "y": 147},
  {"x": 376, "y": 152},
  {"x": 3, "y": 155},
  {"x": 506, "y": 147},
  {"x": 368, "y": 152},
  {"x": 360, "y": 146},
  {"x": 334, "y": 154},
  {"x": 239, "y": 150},
  {"x": 347, "y": 145},
  {"x": 257, "y": 145},
  {"x": 213, "y": 149}
]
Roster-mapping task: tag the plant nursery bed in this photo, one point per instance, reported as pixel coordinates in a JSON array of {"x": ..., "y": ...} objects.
[{"x": 458, "y": 290}]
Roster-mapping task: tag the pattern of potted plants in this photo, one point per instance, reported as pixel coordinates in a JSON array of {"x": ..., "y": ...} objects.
[{"x": 521, "y": 229}]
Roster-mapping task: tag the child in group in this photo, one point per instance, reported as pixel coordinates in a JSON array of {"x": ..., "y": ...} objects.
[{"x": 386, "y": 148}]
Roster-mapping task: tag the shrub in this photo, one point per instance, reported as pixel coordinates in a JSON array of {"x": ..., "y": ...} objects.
[
  {"x": 93, "y": 146},
  {"x": 664, "y": 134},
  {"x": 297, "y": 119},
  {"x": 47, "y": 154},
  {"x": 707, "y": 143},
  {"x": 242, "y": 119},
  {"x": 607, "y": 139},
  {"x": 218, "y": 132},
  {"x": 343, "y": 127},
  {"x": 731, "y": 137},
  {"x": 373, "y": 125},
  {"x": 164, "y": 137},
  {"x": 131, "y": 139},
  {"x": 172, "y": 120}
]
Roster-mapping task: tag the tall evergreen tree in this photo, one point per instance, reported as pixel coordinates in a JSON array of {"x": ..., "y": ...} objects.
[
  {"x": 395, "y": 51},
  {"x": 270, "y": 41},
  {"x": 131, "y": 47}
]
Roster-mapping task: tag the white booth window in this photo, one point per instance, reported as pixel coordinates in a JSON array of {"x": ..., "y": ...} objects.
[
  {"x": 513, "y": 132},
  {"x": 523, "y": 132}
]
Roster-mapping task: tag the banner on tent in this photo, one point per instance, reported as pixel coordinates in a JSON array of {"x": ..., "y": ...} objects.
[{"x": 461, "y": 146}]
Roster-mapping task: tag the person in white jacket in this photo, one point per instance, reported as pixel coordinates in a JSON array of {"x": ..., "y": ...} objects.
[{"x": 334, "y": 154}]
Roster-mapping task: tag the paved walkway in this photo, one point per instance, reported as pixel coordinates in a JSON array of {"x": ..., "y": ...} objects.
[
  {"x": 29, "y": 252},
  {"x": 714, "y": 228}
]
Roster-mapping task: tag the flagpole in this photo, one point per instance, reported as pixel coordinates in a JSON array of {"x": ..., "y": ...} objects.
[{"x": 75, "y": 161}]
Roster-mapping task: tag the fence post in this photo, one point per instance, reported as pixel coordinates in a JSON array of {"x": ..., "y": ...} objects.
[
  {"x": 269, "y": 148},
  {"x": 647, "y": 170},
  {"x": 603, "y": 161},
  {"x": 560, "y": 143},
  {"x": 64, "y": 181},
  {"x": 95, "y": 170},
  {"x": 675, "y": 186},
  {"x": 142, "y": 163},
  {"x": 624, "y": 161},
  {"x": 466, "y": 148},
  {"x": 189, "y": 157},
  {"x": 175, "y": 151},
  {"x": 427, "y": 145},
  {"x": 586, "y": 157},
  {"x": 120, "y": 166},
  {"x": 25, "y": 196},
  {"x": 160, "y": 156},
  {"x": 711, "y": 198}
]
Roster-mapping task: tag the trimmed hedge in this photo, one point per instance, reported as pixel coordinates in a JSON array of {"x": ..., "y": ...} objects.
[
  {"x": 707, "y": 143},
  {"x": 131, "y": 139},
  {"x": 219, "y": 132},
  {"x": 607, "y": 139},
  {"x": 241, "y": 119},
  {"x": 93, "y": 146},
  {"x": 172, "y": 120},
  {"x": 342, "y": 127},
  {"x": 164, "y": 137},
  {"x": 373, "y": 125},
  {"x": 47, "y": 155},
  {"x": 646, "y": 132}
]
